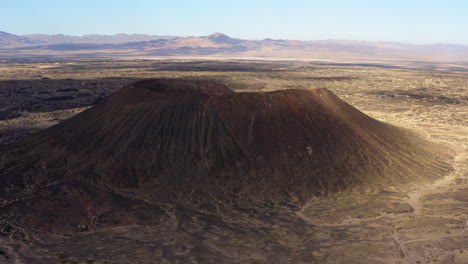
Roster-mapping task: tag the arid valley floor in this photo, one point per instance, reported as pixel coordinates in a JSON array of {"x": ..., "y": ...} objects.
[{"x": 421, "y": 224}]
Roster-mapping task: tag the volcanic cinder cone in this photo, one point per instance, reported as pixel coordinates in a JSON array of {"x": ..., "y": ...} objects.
[{"x": 177, "y": 139}]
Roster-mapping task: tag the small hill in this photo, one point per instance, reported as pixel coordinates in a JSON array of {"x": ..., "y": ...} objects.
[
  {"x": 222, "y": 38},
  {"x": 168, "y": 138}
]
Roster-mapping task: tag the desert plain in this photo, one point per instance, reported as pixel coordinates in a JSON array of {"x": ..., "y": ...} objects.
[{"x": 418, "y": 224}]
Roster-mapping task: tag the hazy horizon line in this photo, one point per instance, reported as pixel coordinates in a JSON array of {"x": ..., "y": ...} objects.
[{"x": 241, "y": 38}]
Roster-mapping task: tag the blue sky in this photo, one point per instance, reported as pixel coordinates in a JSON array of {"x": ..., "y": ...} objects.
[{"x": 411, "y": 21}]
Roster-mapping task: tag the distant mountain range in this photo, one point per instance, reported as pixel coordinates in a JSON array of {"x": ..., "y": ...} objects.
[
  {"x": 218, "y": 46},
  {"x": 7, "y": 39}
]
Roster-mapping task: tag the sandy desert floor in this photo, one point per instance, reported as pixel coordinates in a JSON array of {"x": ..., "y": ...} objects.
[{"x": 424, "y": 224}]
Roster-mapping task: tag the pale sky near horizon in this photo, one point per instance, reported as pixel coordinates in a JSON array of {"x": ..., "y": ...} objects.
[{"x": 410, "y": 21}]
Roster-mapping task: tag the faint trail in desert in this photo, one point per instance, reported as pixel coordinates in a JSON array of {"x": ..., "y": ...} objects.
[
  {"x": 413, "y": 200},
  {"x": 13, "y": 248},
  {"x": 414, "y": 197},
  {"x": 402, "y": 245}
]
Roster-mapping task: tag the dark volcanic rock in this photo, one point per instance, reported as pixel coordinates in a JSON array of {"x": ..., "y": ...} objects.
[
  {"x": 66, "y": 90},
  {"x": 9, "y": 113},
  {"x": 60, "y": 98},
  {"x": 72, "y": 206},
  {"x": 174, "y": 135},
  {"x": 176, "y": 140}
]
